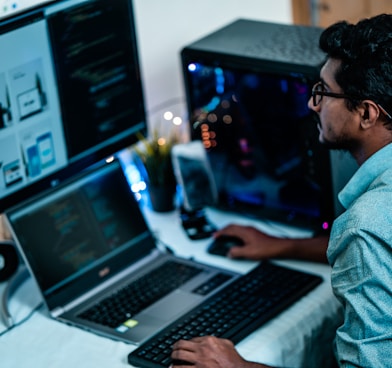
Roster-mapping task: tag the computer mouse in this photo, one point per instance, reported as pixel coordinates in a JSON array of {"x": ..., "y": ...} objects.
[{"x": 222, "y": 244}]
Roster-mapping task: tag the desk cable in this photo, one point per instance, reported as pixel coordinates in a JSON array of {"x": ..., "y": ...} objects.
[
  {"x": 13, "y": 284},
  {"x": 23, "y": 320}
]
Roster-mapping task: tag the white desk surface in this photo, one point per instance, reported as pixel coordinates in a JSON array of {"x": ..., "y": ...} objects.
[{"x": 301, "y": 336}]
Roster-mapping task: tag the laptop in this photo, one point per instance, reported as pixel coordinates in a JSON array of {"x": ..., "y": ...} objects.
[{"x": 86, "y": 243}]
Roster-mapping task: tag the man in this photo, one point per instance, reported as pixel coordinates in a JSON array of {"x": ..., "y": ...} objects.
[{"x": 354, "y": 103}]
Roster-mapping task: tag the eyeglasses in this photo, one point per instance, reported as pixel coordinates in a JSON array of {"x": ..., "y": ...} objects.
[{"x": 318, "y": 92}]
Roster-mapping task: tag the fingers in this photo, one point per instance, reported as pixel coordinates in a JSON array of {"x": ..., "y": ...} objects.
[
  {"x": 220, "y": 232},
  {"x": 184, "y": 350},
  {"x": 187, "y": 351},
  {"x": 205, "y": 352},
  {"x": 250, "y": 251},
  {"x": 237, "y": 252},
  {"x": 231, "y": 229}
]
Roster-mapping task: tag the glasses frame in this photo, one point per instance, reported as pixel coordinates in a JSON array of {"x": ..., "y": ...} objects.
[{"x": 321, "y": 93}]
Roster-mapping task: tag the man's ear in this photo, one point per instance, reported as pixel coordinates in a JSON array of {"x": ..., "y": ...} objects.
[{"x": 370, "y": 112}]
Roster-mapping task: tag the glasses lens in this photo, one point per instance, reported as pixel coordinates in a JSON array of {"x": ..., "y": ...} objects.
[{"x": 317, "y": 94}]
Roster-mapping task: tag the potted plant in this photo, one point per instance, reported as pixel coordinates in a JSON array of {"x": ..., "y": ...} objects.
[{"x": 155, "y": 156}]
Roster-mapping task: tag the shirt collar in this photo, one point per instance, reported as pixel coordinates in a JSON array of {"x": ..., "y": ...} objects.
[{"x": 365, "y": 174}]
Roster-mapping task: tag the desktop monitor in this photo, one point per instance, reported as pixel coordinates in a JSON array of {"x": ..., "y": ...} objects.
[
  {"x": 70, "y": 90},
  {"x": 247, "y": 87}
]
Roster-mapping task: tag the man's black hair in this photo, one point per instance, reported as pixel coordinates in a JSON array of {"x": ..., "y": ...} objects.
[{"x": 365, "y": 52}]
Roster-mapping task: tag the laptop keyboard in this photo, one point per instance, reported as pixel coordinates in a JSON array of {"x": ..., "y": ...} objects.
[
  {"x": 234, "y": 312},
  {"x": 138, "y": 295}
]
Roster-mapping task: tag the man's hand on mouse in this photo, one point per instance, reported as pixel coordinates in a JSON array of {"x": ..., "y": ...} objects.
[{"x": 257, "y": 245}]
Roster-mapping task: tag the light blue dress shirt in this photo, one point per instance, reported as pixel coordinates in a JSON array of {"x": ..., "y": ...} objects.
[{"x": 360, "y": 253}]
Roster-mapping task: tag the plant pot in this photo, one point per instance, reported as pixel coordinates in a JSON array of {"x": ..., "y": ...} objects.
[{"x": 162, "y": 198}]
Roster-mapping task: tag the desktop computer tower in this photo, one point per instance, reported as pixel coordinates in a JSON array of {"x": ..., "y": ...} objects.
[{"x": 247, "y": 87}]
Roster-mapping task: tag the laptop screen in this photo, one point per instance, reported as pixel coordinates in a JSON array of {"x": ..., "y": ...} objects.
[{"x": 91, "y": 227}]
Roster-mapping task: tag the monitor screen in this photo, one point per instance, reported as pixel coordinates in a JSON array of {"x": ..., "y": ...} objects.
[
  {"x": 70, "y": 91},
  {"x": 261, "y": 140}
]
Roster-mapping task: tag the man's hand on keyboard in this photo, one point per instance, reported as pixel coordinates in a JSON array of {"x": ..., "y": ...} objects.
[{"x": 209, "y": 352}]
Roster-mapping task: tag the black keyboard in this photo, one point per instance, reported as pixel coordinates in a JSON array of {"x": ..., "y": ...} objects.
[
  {"x": 124, "y": 303},
  {"x": 233, "y": 313}
]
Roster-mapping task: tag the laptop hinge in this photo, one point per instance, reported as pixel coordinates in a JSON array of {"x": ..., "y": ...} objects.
[{"x": 57, "y": 311}]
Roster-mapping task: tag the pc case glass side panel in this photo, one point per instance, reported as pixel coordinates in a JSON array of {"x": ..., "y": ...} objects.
[{"x": 261, "y": 140}]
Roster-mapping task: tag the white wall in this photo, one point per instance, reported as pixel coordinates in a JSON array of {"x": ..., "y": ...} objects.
[{"x": 165, "y": 26}]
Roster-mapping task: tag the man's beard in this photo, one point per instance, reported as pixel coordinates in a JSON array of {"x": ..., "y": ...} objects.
[
  {"x": 339, "y": 145},
  {"x": 342, "y": 143}
]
